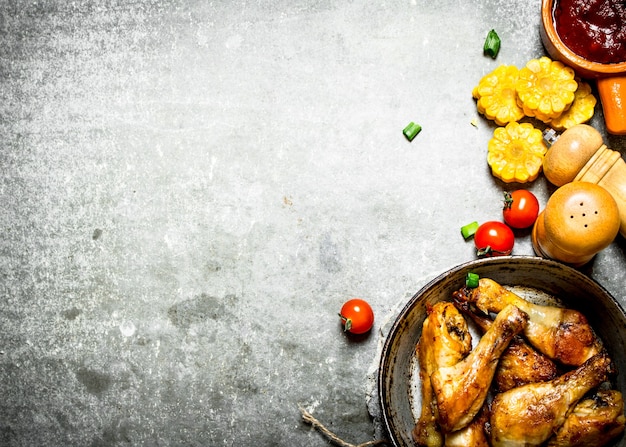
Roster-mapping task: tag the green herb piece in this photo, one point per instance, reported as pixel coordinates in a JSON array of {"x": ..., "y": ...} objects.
[
  {"x": 471, "y": 280},
  {"x": 468, "y": 230},
  {"x": 411, "y": 130},
  {"x": 492, "y": 44}
]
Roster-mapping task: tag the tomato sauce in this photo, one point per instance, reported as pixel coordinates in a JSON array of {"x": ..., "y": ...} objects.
[{"x": 593, "y": 29}]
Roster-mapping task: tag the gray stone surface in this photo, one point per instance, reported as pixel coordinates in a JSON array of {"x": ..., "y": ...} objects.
[{"x": 190, "y": 190}]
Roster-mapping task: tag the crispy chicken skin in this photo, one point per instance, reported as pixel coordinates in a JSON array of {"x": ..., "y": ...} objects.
[
  {"x": 594, "y": 422},
  {"x": 461, "y": 389},
  {"x": 561, "y": 334},
  {"x": 529, "y": 415},
  {"x": 445, "y": 340},
  {"x": 519, "y": 363}
]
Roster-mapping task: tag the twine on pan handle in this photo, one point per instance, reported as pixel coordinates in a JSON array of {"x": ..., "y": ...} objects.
[{"x": 309, "y": 419}]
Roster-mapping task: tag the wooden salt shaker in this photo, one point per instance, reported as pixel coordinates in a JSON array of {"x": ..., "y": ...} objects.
[
  {"x": 579, "y": 154},
  {"x": 579, "y": 220}
]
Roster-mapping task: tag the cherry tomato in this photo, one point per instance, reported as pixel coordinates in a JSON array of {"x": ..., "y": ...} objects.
[
  {"x": 521, "y": 208},
  {"x": 357, "y": 316},
  {"x": 494, "y": 239}
]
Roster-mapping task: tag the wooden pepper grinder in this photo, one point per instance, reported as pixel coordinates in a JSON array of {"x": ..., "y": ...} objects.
[{"x": 579, "y": 154}]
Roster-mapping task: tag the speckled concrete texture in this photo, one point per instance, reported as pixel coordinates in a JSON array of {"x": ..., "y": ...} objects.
[{"x": 191, "y": 189}]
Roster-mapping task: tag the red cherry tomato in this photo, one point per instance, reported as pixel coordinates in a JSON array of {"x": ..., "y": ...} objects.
[
  {"x": 357, "y": 316},
  {"x": 494, "y": 239},
  {"x": 521, "y": 208}
]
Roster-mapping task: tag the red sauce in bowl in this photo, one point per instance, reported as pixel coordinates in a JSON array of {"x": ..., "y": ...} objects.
[{"x": 593, "y": 29}]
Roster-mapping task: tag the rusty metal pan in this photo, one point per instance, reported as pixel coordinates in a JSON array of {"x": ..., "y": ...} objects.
[{"x": 536, "y": 279}]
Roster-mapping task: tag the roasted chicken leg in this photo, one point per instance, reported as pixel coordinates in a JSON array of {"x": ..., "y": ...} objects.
[
  {"x": 594, "y": 422},
  {"x": 562, "y": 334},
  {"x": 472, "y": 435},
  {"x": 520, "y": 363},
  {"x": 461, "y": 389},
  {"x": 445, "y": 340},
  {"x": 528, "y": 415}
]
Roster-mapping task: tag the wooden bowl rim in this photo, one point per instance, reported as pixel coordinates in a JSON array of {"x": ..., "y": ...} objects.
[{"x": 567, "y": 56}]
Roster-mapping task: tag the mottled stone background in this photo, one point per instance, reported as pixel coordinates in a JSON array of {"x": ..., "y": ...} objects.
[{"x": 191, "y": 189}]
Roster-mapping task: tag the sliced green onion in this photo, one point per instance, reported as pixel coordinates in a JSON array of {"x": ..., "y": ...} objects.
[
  {"x": 411, "y": 130},
  {"x": 492, "y": 44},
  {"x": 468, "y": 230},
  {"x": 471, "y": 280}
]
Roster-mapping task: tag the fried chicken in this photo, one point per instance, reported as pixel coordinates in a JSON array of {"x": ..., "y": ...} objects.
[
  {"x": 461, "y": 389},
  {"x": 530, "y": 414},
  {"x": 445, "y": 340},
  {"x": 562, "y": 334},
  {"x": 520, "y": 363},
  {"x": 594, "y": 422}
]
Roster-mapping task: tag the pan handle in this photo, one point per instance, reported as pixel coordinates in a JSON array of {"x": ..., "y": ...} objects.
[{"x": 612, "y": 92}]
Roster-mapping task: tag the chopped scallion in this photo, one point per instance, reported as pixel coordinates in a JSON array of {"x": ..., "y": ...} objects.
[
  {"x": 411, "y": 130},
  {"x": 492, "y": 44},
  {"x": 471, "y": 280},
  {"x": 468, "y": 230}
]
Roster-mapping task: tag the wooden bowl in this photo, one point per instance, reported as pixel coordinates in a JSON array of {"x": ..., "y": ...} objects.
[
  {"x": 610, "y": 78},
  {"x": 536, "y": 279}
]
